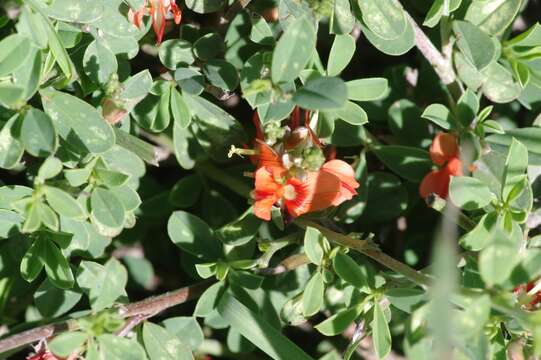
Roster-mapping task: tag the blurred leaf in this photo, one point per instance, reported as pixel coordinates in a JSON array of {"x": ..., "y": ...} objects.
[
  {"x": 160, "y": 344},
  {"x": 338, "y": 322},
  {"x": 408, "y": 162},
  {"x": 176, "y": 53},
  {"x": 65, "y": 344},
  {"x": 258, "y": 331},
  {"x": 493, "y": 17},
  {"x": 384, "y": 18},
  {"x": 469, "y": 193},
  {"x": 474, "y": 44}
]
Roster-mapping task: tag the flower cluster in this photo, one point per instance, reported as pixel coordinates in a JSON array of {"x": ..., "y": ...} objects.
[
  {"x": 444, "y": 153},
  {"x": 293, "y": 172},
  {"x": 158, "y": 10}
]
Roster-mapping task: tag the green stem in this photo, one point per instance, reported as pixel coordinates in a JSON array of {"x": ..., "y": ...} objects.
[
  {"x": 215, "y": 174},
  {"x": 364, "y": 247},
  {"x": 439, "y": 204}
]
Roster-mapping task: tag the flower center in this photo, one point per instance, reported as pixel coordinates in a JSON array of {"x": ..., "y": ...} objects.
[{"x": 289, "y": 192}]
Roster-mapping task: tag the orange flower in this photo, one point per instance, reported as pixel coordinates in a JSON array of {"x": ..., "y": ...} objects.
[
  {"x": 317, "y": 191},
  {"x": 444, "y": 152},
  {"x": 158, "y": 10},
  {"x": 293, "y": 174}
]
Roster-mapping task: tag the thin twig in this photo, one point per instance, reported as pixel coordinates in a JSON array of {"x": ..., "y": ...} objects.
[
  {"x": 286, "y": 265},
  {"x": 150, "y": 306},
  {"x": 234, "y": 9},
  {"x": 364, "y": 247}
]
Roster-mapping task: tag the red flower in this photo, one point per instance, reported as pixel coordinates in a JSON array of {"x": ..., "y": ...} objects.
[
  {"x": 444, "y": 152},
  {"x": 295, "y": 189},
  {"x": 158, "y": 10},
  {"x": 522, "y": 291}
]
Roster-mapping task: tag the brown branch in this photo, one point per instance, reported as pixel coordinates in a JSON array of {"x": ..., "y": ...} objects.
[
  {"x": 150, "y": 306},
  {"x": 138, "y": 311}
]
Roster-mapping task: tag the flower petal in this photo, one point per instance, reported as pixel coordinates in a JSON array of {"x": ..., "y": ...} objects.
[
  {"x": 346, "y": 174},
  {"x": 454, "y": 167},
  {"x": 267, "y": 192},
  {"x": 266, "y": 155},
  {"x": 317, "y": 192},
  {"x": 444, "y": 147},
  {"x": 435, "y": 182}
]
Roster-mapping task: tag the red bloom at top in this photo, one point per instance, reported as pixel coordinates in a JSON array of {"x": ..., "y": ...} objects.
[
  {"x": 158, "y": 10},
  {"x": 291, "y": 175},
  {"x": 445, "y": 153}
]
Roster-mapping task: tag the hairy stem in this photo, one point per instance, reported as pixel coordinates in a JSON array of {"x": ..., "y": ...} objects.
[{"x": 376, "y": 254}]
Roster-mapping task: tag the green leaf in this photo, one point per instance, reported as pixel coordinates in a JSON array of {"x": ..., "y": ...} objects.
[
  {"x": 351, "y": 272},
  {"x": 493, "y": 17},
  {"x": 529, "y": 38},
  {"x": 339, "y": 322},
  {"x": 499, "y": 85},
  {"x": 209, "y": 300},
  {"x": 380, "y": 333},
  {"x": 107, "y": 209},
  {"x": 469, "y": 193},
  {"x": 10, "y": 223},
  {"x": 293, "y": 51},
  {"x": 406, "y": 299},
  {"x": 481, "y": 235},
  {"x": 77, "y": 11},
  {"x": 53, "y": 302},
  {"x": 38, "y": 134},
  {"x": 47, "y": 216},
  {"x": 181, "y": 113},
  {"x": 56, "y": 265},
  {"x": 204, "y": 6},
  {"x": 221, "y": 74},
  {"x": 496, "y": 261},
  {"x": 314, "y": 245},
  {"x": 186, "y": 191},
  {"x": 214, "y": 129},
  {"x": 187, "y": 328},
  {"x": 476, "y": 45},
  {"x": 64, "y": 204},
  {"x": 322, "y": 93},
  {"x": 11, "y": 96},
  {"x": 14, "y": 50},
  {"x": 352, "y": 114},
  {"x": 193, "y": 235},
  {"x": 440, "y": 115},
  {"x": 50, "y": 168},
  {"x": 33, "y": 219},
  {"x": 409, "y": 162},
  {"x": 32, "y": 262},
  {"x": 11, "y": 149},
  {"x": 342, "y": 51},
  {"x": 118, "y": 348},
  {"x": 208, "y": 46},
  {"x": 190, "y": 81},
  {"x": 395, "y": 47},
  {"x": 103, "y": 284},
  {"x": 240, "y": 231},
  {"x": 438, "y": 9},
  {"x": 78, "y": 122},
  {"x": 99, "y": 62},
  {"x": 256, "y": 329},
  {"x": 175, "y": 53},
  {"x": 369, "y": 89},
  {"x": 66, "y": 343},
  {"x": 516, "y": 164},
  {"x": 312, "y": 297},
  {"x": 261, "y": 32},
  {"x": 342, "y": 20},
  {"x": 384, "y": 18},
  {"x": 28, "y": 76},
  {"x": 142, "y": 149},
  {"x": 161, "y": 345}
]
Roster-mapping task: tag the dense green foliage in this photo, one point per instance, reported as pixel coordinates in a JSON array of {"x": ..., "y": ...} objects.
[{"x": 396, "y": 151}]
